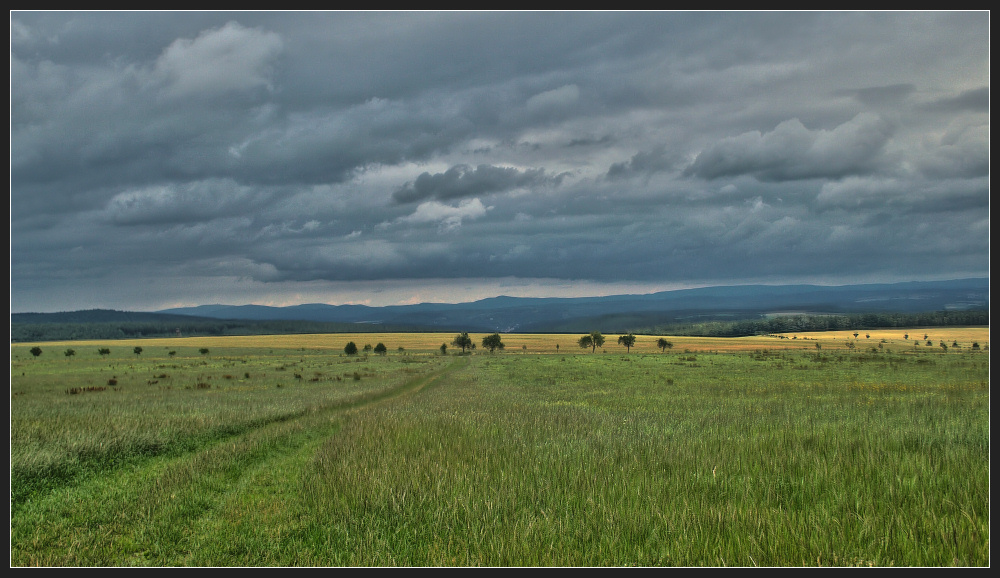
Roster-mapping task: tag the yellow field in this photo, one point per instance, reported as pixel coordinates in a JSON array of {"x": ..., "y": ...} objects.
[{"x": 554, "y": 343}]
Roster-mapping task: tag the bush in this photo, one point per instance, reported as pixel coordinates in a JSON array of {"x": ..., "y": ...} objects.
[{"x": 351, "y": 348}]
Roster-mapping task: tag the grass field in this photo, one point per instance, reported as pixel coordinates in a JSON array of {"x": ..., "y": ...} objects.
[{"x": 284, "y": 451}]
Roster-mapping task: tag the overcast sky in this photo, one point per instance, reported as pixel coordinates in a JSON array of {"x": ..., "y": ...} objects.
[{"x": 163, "y": 159}]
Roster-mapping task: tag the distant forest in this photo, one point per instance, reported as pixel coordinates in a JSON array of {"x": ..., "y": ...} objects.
[
  {"x": 83, "y": 325},
  {"x": 805, "y": 323}
]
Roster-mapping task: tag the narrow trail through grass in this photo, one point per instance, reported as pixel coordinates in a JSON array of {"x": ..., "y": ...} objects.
[{"x": 189, "y": 506}]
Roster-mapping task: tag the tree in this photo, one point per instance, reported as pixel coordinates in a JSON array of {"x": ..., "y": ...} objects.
[
  {"x": 627, "y": 340},
  {"x": 104, "y": 351},
  {"x": 137, "y": 350},
  {"x": 493, "y": 342},
  {"x": 351, "y": 348},
  {"x": 663, "y": 344},
  {"x": 368, "y": 347},
  {"x": 69, "y": 353},
  {"x": 444, "y": 349},
  {"x": 462, "y": 340},
  {"x": 593, "y": 341},
  {"x": 380, "y": 349},
  {"x": 36, "y": 351}
]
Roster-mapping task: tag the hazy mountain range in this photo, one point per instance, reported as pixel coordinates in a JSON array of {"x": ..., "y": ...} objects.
[{"x": 518, "y": 314}]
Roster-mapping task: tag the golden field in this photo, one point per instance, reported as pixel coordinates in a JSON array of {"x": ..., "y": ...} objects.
[{"x": 543, "y": 343}]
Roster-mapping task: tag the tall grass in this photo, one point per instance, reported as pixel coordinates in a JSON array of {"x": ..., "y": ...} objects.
[
  {"x": 771, "y": 458},
  {"x": 721, "y": 461}
]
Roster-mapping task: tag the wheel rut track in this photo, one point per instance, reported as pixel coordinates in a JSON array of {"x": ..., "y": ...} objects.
[{"x": 186, "y": 449}]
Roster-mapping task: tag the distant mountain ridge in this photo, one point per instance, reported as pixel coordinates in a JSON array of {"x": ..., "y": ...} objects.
[{"x": 552, "y": 314}]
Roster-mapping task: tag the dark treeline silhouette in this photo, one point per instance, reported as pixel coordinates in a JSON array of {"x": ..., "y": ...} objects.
[
  {"x": 80, "y": 325},
  {"x": 806, "y": 323},
  {"x": 124, "y": 325}
]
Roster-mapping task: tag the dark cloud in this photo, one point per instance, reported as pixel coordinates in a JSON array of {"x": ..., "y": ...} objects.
[
  {"x": 645, "y": 163},
  {"x": 464, "y": 181},
  {"x": 974, "y": 99},
  {"x": 793, "y": 152},
  {"x": 879, "y": 95},
  {"x": 163, "y": 158}
]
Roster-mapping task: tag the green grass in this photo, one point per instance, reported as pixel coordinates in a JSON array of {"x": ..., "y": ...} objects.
[{"x": 771, "y": 458}]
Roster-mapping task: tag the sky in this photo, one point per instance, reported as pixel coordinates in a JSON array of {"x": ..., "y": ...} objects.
[{"x": 167, "y": 159}]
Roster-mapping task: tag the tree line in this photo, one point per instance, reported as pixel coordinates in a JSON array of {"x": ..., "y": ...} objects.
[
  {"x": 197, "y": 327},
  {"x": 21, "y": 332},
  {"x": 808, "y": 323}
]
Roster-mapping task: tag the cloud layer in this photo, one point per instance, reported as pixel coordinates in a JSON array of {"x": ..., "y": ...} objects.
[{"x": 162, "y": 158}]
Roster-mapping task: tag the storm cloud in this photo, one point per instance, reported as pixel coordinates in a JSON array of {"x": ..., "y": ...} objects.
[
  {"x": 792, "y": 152},
  {"x": 162, "y": 159},
  {"x": 465, "y": 181}
]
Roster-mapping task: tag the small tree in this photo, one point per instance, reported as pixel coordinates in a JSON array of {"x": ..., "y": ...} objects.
[
  {"x": 663, "y": 344},
  {"x": 351, "y": 348},
  {"x": 493, "y": 342},
  {"x": 627, "y": 340},
  {"x": 593, "y": 341},
  {"x": 104, "y": 351},
  {"x": 36, "y": 351},
  {"x": 462, "y": 340},
  {"x": 368, "y": 347},
  {"x": 137, "y": 350},
  {"x": 203, "y": 351},
  {"x": 69, "y": 353},
  {"x": 444, "y": 349},
  {"x": 380, "y": 349}
]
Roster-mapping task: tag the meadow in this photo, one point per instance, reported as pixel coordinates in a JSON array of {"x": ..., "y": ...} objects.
[{"x": 824, "y": 449}]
